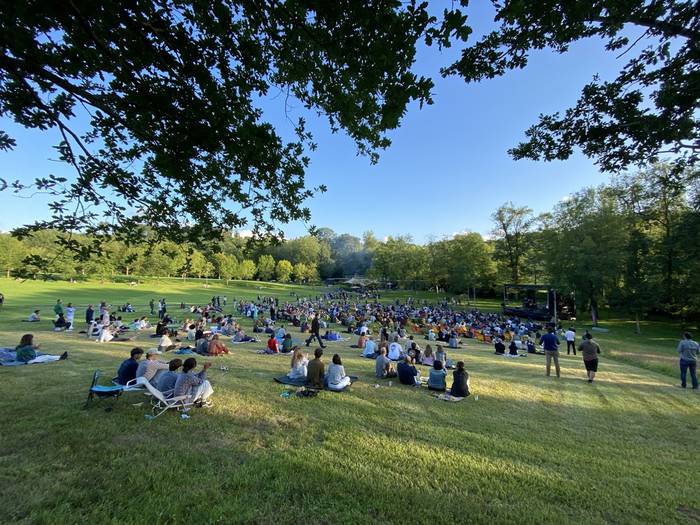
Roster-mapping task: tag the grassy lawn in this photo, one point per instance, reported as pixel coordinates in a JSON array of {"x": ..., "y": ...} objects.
[{"x": 530, "y": 449}]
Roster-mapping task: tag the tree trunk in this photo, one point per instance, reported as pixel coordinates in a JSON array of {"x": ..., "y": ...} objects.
[
  {"x": 594, "y": 312},
  {"x": 636, "y": 321}
]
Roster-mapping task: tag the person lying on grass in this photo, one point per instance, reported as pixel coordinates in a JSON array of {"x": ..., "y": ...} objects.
[
  {"x": 27, "y": 351},
  {"x": 408, "y": 375},
  {"x": 166, "y": 381},
  {"x": 436, "y": 379},
  {"x": 315, "y": 370},
  {"x": 383, "y": 366},
  {"x": 300, "y": 361},
  {"x": 460, "y": 381},
  {"x": 336, "y": 379},
  {"x": 193, "y": 385},
  {"x": 151, "y": 368},
  {"x": 127, "y": 370}
]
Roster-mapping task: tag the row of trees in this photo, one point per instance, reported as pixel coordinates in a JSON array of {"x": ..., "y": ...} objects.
[{"x": 629, "y": 244}]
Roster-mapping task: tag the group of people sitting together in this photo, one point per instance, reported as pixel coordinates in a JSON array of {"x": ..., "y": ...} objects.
[
  {"x": 314, "y": 373},
  {"x": 175, "y": 378}
]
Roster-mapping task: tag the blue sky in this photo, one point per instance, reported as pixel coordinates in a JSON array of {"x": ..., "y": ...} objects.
[{"x": 446, "y": 171}]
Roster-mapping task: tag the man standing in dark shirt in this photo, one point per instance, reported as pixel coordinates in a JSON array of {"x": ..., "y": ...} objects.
[
  {"x": 550, "y": 342},
  {"x": 89, "y": 315},
  {"x": 315, "y": 332}
]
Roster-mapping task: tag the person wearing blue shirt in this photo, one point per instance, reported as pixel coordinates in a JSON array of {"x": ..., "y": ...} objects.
[
  {"x": 550, "y": 343},
  {"x": 127, "y": 370}
]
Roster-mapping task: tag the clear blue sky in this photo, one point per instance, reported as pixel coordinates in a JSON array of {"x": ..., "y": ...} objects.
[{"x": 446, "y": 171}]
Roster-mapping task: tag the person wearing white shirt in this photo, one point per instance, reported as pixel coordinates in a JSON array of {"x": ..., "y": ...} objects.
[
  {"x": 395, "y": 350},
  {"x": 370, "y": 349},
  {"x": 298, "y": 366},
  {"x": 570, "y": 336},
  {"x": 363, "y": 329},
  {"x": 150, "y": 368},
  {"x": 337, "y": 380},
  {"x": 70, "y": 314}
]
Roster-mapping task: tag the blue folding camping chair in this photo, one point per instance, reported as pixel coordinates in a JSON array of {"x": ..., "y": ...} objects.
[{"x": 102, "y": 392}]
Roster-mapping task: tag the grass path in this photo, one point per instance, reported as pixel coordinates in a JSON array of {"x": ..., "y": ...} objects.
[{"x": 530, "y": 450}]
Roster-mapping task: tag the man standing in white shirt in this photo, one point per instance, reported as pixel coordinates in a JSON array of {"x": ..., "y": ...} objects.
[
  {"x": 70, "y": 315},
  {"x": 570, "y": 336}
]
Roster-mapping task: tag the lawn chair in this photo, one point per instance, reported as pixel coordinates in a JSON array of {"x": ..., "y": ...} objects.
[
  {"x": 160, "y": 403},
  {"x": 102, "y": 392}
]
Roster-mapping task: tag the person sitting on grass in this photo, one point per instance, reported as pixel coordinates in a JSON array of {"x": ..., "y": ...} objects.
[
  {"x": 428, "y": 357},
  {"x": 361, "y": 341},
  {"x": 499, "y": 346},
  {"x": 166, "y": 344},
  {"x": 383, "y": 366},
  {"x": 414, "y": 352},
  {"x": 272, "y": 345},
  {"x": 395, "y": 350},
  {"x": 216, "y": 347},
  {"x": 436, "y": 379},
  {"x": 61, "y": 324},
  {"x": 513, "y": 349},
  {"x": 34, "y": 317},
  {"x": 336, "y": 378},
  {"x": 193, "y": 385},
  {"x": 370, "y": 349},
  {"x": 191, "y": 332},
  {"x": 26, "y": 351},
  {"x": 441, "y": 355},
  {"x": 127, "y": 370},
  {"x": 287, "y": 344},
  {"x": 460, "y": 381},
  {"x": 408, "y": 375},
  {"x": 315, "y": 370},
  {"x": 298, "y": 365},
  {"x": 453, "y": 341},
  {"x": 150, "y": 368},
  {"x": 166, "y": 381}
]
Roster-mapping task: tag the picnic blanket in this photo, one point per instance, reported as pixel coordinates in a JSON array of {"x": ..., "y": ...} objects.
[
  {"x": 285, "y": 380},
  {"x": 448, "y": 397}
]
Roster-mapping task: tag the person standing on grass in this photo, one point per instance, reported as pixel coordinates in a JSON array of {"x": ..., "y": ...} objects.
[
  {"x": 315, "y": 332},
  {"x": 152, "y": 305},
  {"x": 550, "y": 342},
  {"x": 58, "y": 308},
  {"x": 570, "y": 336},
  {"x": 688, "y": 352},
  {"x": 590, "y": 350},
  {"x": 70, "y": 315}
]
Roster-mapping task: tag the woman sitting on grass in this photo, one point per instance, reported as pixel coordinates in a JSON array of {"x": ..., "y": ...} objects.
[
  {"x": 361, "y": 341},
  {"x": 336, "y": 378},
  {"x": 27, "y": 352},
  {"x": 298, "y": 366},
  {"x": 460, "y": 381},
  {"x": 428, "y": 357},
  {"x": 441, "y": 355},
  {"x": 436, "y": 379},
  {"x": 287, "y": 344}
]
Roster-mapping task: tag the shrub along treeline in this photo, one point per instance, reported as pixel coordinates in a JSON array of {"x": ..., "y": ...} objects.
[{"x": 630, "y": 245}]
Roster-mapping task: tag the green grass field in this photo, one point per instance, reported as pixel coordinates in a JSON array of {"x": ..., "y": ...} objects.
[{"x": 530, "y": 449}]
